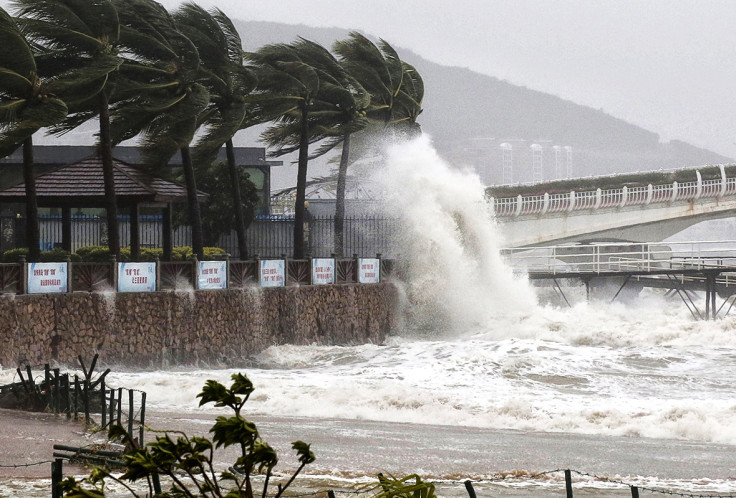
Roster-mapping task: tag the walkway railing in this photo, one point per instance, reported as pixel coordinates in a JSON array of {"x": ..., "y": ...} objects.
[
  {"x": 616, "y": 197},
  {"x": 624, "y": 257}
]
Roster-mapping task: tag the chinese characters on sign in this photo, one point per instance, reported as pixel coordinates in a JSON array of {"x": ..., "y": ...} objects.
[
  {"x": 212, "y": 275},
  {"x": 323, "y": 271},
  {"x": 272, "y": 273},
  {"x": 136, "y": 277},
  {"x": 47, "y": 277},
  {"x": 369, "y": 270}
]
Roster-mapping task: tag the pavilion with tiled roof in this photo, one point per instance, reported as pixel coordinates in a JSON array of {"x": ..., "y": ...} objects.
[{"x": 81, "y": 184}]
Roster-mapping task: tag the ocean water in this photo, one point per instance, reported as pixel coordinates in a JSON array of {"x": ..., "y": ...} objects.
[{"x": 483, "y": 377}]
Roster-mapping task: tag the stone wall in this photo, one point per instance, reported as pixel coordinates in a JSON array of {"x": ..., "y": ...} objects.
[{"x": 203, "y": 327}]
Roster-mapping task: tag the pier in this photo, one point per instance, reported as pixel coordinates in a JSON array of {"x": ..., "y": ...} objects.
[{"x": 683, "y": 268}]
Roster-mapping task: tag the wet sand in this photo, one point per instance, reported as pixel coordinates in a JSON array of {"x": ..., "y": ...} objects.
[
  {"x": 350, "y": 451},
  {"x": 28, "y": 437}
]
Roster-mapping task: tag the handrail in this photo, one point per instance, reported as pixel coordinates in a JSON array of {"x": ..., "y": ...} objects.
[
  {"x": 612, "y": 256},
  {"x": 614, "y": 197}
]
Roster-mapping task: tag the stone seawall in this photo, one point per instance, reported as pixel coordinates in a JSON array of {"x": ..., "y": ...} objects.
[{"x": 203, "y": 327}]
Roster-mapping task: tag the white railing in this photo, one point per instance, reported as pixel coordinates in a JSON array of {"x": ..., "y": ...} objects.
[
  {"x": 614, "y": 198},
  {"x": 616, "y": 257}
]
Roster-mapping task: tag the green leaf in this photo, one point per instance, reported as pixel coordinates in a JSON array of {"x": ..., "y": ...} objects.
[{"x": 303, "y": 452}]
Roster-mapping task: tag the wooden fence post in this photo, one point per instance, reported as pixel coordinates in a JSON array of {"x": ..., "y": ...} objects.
[
  {"x": 469, "y": 488},
  {"x": 103, "y": 404},
  {"x": 634, "y": 492},
  {"x": 143, "y": 419},
  {"x": 568, "y": 483},
  {"x": 56, "y": 477},
  {"x": 131, "y": 412}
]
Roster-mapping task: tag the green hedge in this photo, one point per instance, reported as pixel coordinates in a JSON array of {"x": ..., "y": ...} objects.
[{"x": 101, "y": 254}]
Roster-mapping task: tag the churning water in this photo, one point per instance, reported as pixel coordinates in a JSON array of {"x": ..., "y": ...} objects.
[{"x": 476, "y": 349}]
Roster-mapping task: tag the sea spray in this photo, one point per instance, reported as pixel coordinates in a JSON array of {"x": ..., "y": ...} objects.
[{"x": 448, "y": 242}]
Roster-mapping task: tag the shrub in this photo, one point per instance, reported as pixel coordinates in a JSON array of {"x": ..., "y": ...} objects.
[
  {"x": 58, "y": 255},
  {"x": 188, "y": 461},
  {"x": 12, "y": 255},
  {"x": 214, "y": 253},
  {"x": 101, "y": 254},
  {"x": 148, "y": 254}
]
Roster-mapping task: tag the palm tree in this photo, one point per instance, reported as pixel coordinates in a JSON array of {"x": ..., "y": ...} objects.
[
  {"x": 289, "y": 91},
  {"x": 165, "y": 71},
  {"x": 78, "y": 44},
  {"x": 379, "y": 71},
  {"x": 408, "y": 103},
  {"x": 229, "y": 81},
  {"x": 27, "y": 104}
]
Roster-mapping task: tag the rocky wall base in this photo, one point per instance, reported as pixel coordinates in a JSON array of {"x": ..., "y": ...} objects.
[{"x": 161, "y": 329}]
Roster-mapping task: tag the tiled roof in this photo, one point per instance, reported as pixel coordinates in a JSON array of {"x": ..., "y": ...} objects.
[{"x": 84, "y": 180}]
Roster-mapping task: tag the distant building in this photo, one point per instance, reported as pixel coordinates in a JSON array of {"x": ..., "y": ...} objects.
[{"x": 503, "y": 162}]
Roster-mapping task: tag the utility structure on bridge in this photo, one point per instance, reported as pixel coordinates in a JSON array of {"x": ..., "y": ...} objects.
[{"x": 633, "y": 208}]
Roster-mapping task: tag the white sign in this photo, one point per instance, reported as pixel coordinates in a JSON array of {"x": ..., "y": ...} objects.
[
  {"x": 212, "y": 275},
  {"x": 369, "y": 270},
  {"x": 47, "y": 277},
  {"x": 272, "y": 273},
  {"x": 323, "y": 271},
  {"x": 136, "y": 277}
]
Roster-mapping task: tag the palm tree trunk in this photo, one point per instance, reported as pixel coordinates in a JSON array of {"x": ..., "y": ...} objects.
[
  {"x": 237, "y": 200},
  {"x": 301, "y": 185},
  {"x": 195, "y": 217},
  {"x": 342, "y": 173},
  {"x": 111, "y": 205},
  {"x": 33, "y": 237}
]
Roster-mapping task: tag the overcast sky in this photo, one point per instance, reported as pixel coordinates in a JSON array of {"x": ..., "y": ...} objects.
[{"x": 669, "y": 66}]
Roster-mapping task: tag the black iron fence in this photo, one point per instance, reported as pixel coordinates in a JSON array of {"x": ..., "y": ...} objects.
[{"x": 269, "y": 237}]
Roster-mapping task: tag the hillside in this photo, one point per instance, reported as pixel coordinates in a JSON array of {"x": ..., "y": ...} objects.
[{"x": 470, "y": 114}]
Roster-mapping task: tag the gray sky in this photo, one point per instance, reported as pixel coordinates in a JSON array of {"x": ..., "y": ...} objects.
[{"x": 669, "y": 66}]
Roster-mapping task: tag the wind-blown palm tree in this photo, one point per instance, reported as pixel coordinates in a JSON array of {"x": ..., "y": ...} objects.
[
  {"x": 27, "y": 104},
  {"x": 78, "y": 44},
  {"x": 381, "y": 73},
  {"x": 408, "y": 103},
  {"x": 165, "y": 71},
  {"x": 289, "y": 90},
  {"x": 229, "y": 82}
]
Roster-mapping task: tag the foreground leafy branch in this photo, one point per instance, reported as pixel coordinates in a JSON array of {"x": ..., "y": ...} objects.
[{"x": 188, "y": 461}]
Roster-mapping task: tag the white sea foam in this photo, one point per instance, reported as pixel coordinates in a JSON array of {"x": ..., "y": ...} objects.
[{"x": 478, "y": 351}]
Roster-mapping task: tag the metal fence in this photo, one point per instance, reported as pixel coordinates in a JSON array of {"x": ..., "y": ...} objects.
[{"x": 269, "y": 237}]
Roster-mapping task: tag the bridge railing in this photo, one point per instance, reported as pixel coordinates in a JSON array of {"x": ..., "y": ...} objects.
[
  {"x": 615, "y": 257},
  {"x": 615, "y": 197}
]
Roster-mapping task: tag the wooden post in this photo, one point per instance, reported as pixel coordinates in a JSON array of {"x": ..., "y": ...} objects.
[
  {"x": 31, "y": 383},
  {"x": 330, "y": 494},
  {"x": 568, "y": 483},
  {"x": 135, "y": 237},
  {"x": 143, "y": 418},
  {"x": 56, "y": 477},
  {"x": 76, "y": 397},
  {"x": 57, "y": 391},
  {"x": 120, "y": 406},
  {"x": 66, "y": 228},
  {"x": 469, "y": 488},
  {"x": 130, "y": 412},
  {"x": 22, "y": 380},
  {"x": 166, "y": 232},
  {"x": 67, "y": 403},
  {"x": 103, "y": 404},
  {"x": 634, "y": 492},
  {"x": 112, "y": 406}
]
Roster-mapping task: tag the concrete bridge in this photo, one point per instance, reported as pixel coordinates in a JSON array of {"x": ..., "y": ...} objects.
[{"x": 626, "y": 213}]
